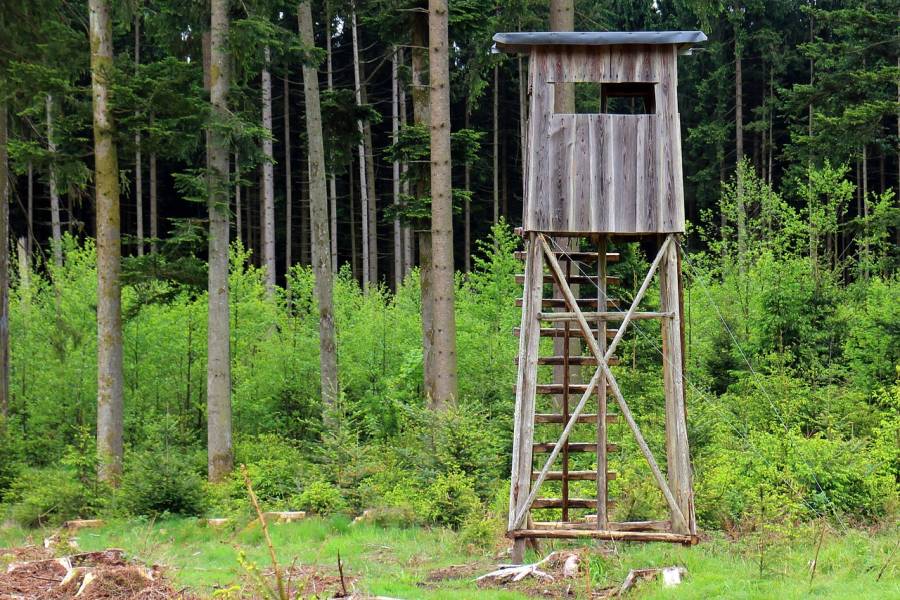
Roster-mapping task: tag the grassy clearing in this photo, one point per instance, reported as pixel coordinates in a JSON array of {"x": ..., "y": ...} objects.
[{"x": 396, "y": 562}]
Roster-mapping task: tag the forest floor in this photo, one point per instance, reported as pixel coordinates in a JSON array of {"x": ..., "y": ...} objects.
[{"x": 434, "y": 564}]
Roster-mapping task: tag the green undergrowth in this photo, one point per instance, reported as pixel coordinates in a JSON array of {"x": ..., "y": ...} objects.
[{"x": 396, "y": 562}]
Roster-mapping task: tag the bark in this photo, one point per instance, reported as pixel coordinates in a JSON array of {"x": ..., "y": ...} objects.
[
  {"x": 109, "y": 295},
  {"x": 318, "y": 209},
  {"x": 154, "y": 218},
  {"x": 268, "y": 181},
  {"x": 395, "y": 170},
  {"x": 218, "y": 371},
  {"x": 4, "y": 268},
  {"x": 29, "y": 203},
  {"x": 55, "y": 227},
  {"x": 496, "y": 143},
  {"x": 562, "y": 18},
  {"x": 408, "y": 243},
  {"x": 363, "y": 188},
  {"x": 237, "y": 198},
  {"x": 445, "y": 388},
  {"x": 332, "y": 179},
  {"x": 138, "y": 163},
  {"x": 467, "y": 220},
  {"x": 739, "y": 145},
  {"x": 354, "y": 254},
  {"x": 288, "y": 200},
  {"x": 372, "y": 215}
]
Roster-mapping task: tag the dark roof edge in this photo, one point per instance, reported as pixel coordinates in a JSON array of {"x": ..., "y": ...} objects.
[{"x": 519, "y": 41}]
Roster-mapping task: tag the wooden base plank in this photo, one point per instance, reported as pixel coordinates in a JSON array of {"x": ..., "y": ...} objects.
[{"x": 604, "y": 534}]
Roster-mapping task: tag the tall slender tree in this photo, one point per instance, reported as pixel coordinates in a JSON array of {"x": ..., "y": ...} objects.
[
  {"x": 55, "y": 225},
  {"x": 4, "y": 261},
  {"x": 109, "y": 251},
  {"x": 220, "y": 460},
  {"x": 363, "y": 187},
  {"x": 267, "y": 192},
  {"x": 444, "y": 342},
  {"x": 138, "y": 164},
  {"x": 318, "y": 209},
  {"x": 288, "y": 188}
]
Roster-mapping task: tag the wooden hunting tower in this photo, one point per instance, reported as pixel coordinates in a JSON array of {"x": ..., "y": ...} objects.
[{"x": 602, "y": 164}]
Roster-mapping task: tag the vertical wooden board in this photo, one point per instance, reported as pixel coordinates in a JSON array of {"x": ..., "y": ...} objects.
[
  {"x": 651, "y": 184},
  {"x": 582, "y": 181},
  {"x": 611, "y": 159},
  {"x": 625, "y": 173},
  {"x": 537, "y": 211},
  {"x": 677, "y": 176},
  {"x": 645, "y": 70},
  {"x": 628, "y": 57},
  {"x": 560, "y": 163},
  {"x": 663, "y": 170},
  {"x": 598, "y": 200},
  {"x": 597, "y": 66},
  {"x": 529, "y": 345},
  {"x": 642, "y": 125},
  {"x": 667, "y": 98}
]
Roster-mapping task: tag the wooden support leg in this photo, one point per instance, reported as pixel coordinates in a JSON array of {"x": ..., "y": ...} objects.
[
  {"x": 602, "y": 462},
  {"x": 523, "y": 426},
  {"x": 677, "y": 452}
]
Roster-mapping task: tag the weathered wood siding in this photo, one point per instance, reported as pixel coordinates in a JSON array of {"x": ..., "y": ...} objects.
[{"x": 604, "y": 173}]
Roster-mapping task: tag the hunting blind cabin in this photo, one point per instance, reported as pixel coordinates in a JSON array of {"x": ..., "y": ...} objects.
[{"x": 603, "y": 164}]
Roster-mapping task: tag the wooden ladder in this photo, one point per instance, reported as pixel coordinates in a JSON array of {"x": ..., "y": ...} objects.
[{"x": 586, "y": 273}]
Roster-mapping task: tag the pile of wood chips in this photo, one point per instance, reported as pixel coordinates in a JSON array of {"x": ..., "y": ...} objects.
[{"x": 102, "y": 575}]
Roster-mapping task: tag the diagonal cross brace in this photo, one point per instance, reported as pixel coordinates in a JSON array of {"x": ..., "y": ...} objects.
[{"x": 603, "y": 369}]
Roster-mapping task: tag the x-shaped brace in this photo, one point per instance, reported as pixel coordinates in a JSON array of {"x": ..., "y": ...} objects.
[{"x": 602, "y": 369}]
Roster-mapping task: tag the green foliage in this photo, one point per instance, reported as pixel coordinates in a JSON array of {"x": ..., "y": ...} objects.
[
  {"x": 322, "y": 498},
  {"x": 162, "y": 482},
  {"x": 451, "y": 499}
]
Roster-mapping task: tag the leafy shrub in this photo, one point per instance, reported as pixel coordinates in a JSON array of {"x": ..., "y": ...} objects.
[
  {"x": 162, "y": 482},
  {"x": 10, "y": 456},
  {"x": 40, "y": 497},
  {"x": 451, "y": 499},
  {"x": 322, "y": 498},
  {"x": 480, "y": 532}
]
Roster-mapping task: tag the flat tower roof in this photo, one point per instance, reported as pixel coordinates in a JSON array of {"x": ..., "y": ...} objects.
[{"x": 520, "y": 41}]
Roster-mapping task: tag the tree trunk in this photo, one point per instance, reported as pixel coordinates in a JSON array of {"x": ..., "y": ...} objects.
[
  {"x": 739, "y": 146},
  {"x": 109, "y": 251},
  {"x": 268, "y": 180},
  {"x": 426, "y": 286},
  {"x": 218, "y": 371},
  {"x": 562, "y": 18},
  {"x": 372, "y": 215},
  {"x": 354, "y": 255},
  {"x": 4, "y": 267},
  {"x": 138, "y": 163},
  {"x": 445, "y": 388},
  {"x": 395, "y": 133},
  {"x": 237, "y": 198},
  {"x": 55, "y": 225},
  {"x": 332, "y": 180},
  {"x": 496, "y": 143},
  {"x": 154, "y": 218},
  {"x": 288, "y": 200},
  {"x": 318, "y": 209},
  {"x": 363, "y": 188},
  {"x": 408, "y": 243},
  {"x": 467, "y": 220},
  {"x": 29, "y": 203}
]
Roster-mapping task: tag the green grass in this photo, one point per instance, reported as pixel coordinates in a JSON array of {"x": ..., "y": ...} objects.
[{"x": 394, "y": 562}]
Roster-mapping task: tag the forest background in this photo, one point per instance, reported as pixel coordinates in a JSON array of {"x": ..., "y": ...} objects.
[{"x": 790, "y": 116}]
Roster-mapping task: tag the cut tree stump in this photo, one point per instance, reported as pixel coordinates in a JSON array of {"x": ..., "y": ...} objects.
[
  {"x": 285, "y": 516},
  {"x": 77, "y": 524}
]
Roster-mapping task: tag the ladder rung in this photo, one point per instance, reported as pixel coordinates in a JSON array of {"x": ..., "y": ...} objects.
[
  {"x": 579, "y": 256},
  {"x": 558, "y": 332},
  {"x": 575, "y": 361},
  {"x": 575, "y": 279},
  {"x": 582, "y": 418},
  {"x": 573, "y": 475},
  {"x": 607, "y": 315},
  {"x": 558, "y": 388},
  {"x": 571, "y": 503},
  {"x": 574, "y": 447},
  {"x": 561, "y": 303}
]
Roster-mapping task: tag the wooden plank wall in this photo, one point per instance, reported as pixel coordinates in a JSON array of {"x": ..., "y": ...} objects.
[{"x": 604, "y": 173}]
